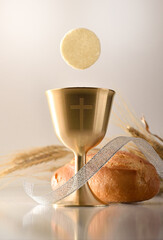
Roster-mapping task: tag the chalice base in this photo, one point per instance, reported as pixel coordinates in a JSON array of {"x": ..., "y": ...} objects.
[{"x": 83, "y": 197}]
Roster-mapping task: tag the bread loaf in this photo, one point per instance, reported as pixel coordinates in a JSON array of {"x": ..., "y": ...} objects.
[{"x": 125, "y": 178}]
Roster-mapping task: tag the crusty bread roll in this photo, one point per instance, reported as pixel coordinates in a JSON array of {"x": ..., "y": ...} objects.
[{"x": 125, "y": 178}]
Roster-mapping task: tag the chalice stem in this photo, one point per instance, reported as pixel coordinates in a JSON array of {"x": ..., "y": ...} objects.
[
  {"x": 80, "y": 161},
  {"x": 84, "y": 195}
]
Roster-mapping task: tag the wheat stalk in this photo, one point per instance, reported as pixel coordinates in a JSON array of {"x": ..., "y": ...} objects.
[
  {"x": 156, "y": 145},
  {"x": 127, "y": 120},
  {"x": 28, "y": 159}
]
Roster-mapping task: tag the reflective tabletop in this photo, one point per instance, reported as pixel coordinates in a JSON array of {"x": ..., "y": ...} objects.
[{"x": 22, "y": 219}]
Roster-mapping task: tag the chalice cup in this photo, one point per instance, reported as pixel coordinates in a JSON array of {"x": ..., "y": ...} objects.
[{"x": 80, "y": 117}]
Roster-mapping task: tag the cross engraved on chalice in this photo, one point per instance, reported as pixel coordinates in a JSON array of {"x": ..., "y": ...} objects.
[{"x": 81, "y": 107}]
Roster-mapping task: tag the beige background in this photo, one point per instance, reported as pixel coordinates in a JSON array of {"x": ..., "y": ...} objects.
[{"x": 131, "y": 61}]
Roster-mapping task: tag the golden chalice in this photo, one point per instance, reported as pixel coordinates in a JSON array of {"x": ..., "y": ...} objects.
[{"x": 80, "y": 118}]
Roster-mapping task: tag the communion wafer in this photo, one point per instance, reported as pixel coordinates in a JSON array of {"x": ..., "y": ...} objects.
[
  {"x": 124, "y": 178},
  {"x": 80, "y": 48}
]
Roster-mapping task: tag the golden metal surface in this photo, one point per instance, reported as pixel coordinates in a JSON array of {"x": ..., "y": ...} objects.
[{"x": 80, "y": 118}]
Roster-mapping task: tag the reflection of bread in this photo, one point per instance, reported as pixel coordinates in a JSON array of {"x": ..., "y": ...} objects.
[
  {"x": 125, "y": 178},
  {"x": 136, "y": 221}
]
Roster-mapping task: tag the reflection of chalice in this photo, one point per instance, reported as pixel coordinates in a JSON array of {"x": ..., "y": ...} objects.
[{"x": 80, "y": 117}]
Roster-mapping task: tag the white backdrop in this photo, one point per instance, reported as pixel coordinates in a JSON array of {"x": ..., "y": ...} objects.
[{"x": 131, "y": 61}]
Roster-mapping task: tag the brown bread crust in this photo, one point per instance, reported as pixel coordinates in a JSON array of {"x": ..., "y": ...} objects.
[{"x": 125, "y": 178}]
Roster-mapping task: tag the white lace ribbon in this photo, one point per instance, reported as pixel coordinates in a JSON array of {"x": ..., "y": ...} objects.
[{"x": 92, "y": 167}]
